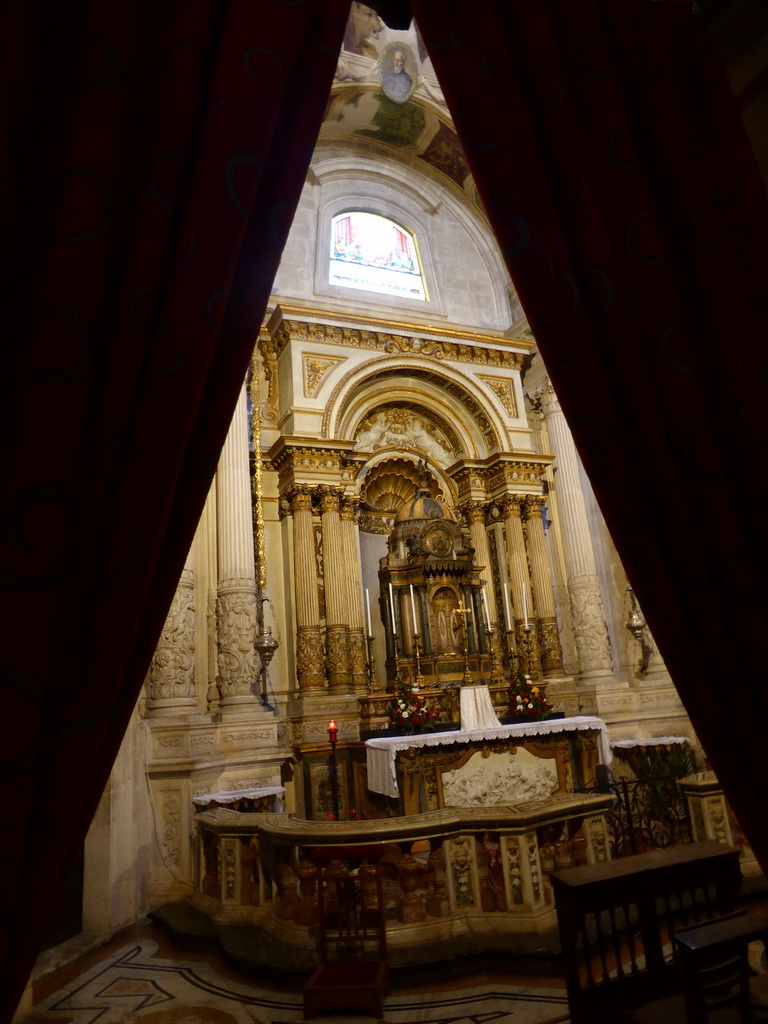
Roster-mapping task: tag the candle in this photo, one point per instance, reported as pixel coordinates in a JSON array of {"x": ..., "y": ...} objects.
[
  {"x": 487, "y": 613},
  {"x": 392, "y": 610},
  {"x": 416, "y": 629},
  {"x": 506, "y": 606},
  {"x": 368, "y": 610},
  {"x": 332, "y": 731},
  {"x": 525, "y": 608}
]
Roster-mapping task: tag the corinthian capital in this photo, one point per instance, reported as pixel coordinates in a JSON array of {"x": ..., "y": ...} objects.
[
  {"x": 512, "y": 506},
  {"x": 474, "y": 512},
  {"x": 534, "y": 504},
  {"x": 330, "y": 499},
  {"x": 300, "y": 498}
]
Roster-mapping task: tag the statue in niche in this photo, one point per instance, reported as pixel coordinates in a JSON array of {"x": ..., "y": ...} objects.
[{"x": 446, "y": 620}]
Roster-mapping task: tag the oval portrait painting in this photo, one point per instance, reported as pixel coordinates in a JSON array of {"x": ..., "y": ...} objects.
[{"x": 398, "y": 72}]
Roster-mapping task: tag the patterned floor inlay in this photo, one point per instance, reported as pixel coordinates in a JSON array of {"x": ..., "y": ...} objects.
[{"x": 132, "y": 986}]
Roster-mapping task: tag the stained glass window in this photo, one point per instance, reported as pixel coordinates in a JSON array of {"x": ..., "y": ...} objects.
[{"x": 374, "y": 253}]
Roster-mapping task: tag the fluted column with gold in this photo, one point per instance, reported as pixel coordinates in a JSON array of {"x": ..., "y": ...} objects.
[
  {"x": 526, "y": 635},
  {"x": 475, "y": 515},
  {"x": 543, "y": 592},
  {"x": 172, "y": 672},
  {"x": 238, "y": 662},
  {"x": 354, "y": 598},
  {"x": 336, "y": 611},
  {"x": 583, "y": 584},
  {"x": 309, "y": 640}
]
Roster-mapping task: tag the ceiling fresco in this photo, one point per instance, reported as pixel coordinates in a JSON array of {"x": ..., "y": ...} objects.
[{"x": 386, "y": 94}]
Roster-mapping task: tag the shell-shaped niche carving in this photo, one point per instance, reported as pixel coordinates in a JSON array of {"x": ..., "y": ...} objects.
[{"x": 390, "y": 484}]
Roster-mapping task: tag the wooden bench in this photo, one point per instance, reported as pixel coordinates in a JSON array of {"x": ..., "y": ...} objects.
[{"x": 616, "y": 918}]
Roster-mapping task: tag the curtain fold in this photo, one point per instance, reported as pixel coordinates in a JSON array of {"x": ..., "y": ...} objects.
[
  {"x": 612, "y": 163},
  {"x": 153, "y": 158}
]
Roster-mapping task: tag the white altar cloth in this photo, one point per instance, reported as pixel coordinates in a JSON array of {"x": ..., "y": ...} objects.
[
  {"x": 381, "y": 753},
  {"x": 231, "y": 796},
  {"x": 476, "y": 709}
]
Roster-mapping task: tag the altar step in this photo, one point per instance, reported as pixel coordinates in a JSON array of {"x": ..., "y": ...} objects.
[{"x": 248, "y": 949}]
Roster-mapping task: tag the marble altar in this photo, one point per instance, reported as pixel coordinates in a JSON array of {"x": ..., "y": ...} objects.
[{"x": 381, "y": 753}]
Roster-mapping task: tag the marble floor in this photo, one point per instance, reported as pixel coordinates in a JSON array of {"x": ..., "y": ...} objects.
[{"x": 142, "y": 977}]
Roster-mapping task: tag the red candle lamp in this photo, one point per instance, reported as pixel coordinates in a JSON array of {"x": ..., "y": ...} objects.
[{"x": 333, "y": 731}]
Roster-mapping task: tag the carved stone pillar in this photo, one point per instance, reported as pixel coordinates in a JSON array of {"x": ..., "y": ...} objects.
[
  {"x": 583, "y": 585},
  {"x": 309, "y": 640},
  {"x": 172, "y": 672},
  {"x": 238, "y": 663},
  {"x": 520, "y": 585},
  {"x": 336, "y": 611},
  {"x": 543, "y": 592},
  {"x": 354, "y": 582}
]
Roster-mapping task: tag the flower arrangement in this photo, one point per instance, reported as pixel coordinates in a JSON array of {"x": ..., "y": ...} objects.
[
  {"x": 409, "y": 711},
  {"x": 526, "y": 700}
]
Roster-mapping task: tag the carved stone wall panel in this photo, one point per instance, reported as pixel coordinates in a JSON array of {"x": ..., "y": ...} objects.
[
  {"x": 310, "y": 658},
  {"x": 358, "y": 659},
  {"x": 337, "y": 657},
  {"x": 550, "y": 647},
  {"x": 462, "y": 873},
  {"x": 239, "y": 663},
  {"x": 172, "y": 672},
  {"x": 589, "y": 626}
]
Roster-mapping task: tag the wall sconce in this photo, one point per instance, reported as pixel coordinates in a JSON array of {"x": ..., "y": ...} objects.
[{"x": 637, "y": 626}]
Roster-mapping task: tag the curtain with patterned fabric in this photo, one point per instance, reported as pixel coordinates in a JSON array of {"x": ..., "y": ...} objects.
[
  {"x": 152, "y": 158},
  {"x": 609, "y": 153}
]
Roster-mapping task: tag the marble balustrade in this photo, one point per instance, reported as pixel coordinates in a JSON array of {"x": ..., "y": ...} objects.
[{"x": 446, "y": 872}]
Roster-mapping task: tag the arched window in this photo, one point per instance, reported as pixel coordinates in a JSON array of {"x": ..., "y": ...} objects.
[{"x": 374, "y": 253}]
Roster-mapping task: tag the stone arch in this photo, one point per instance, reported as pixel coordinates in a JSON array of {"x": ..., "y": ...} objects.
[{"x": 439, "y": 388}]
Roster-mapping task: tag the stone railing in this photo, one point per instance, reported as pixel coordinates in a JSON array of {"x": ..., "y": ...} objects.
[{"x": 446, "y": 872}]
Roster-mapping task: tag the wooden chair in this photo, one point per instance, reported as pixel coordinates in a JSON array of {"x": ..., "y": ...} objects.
[{"x": 352, "y": 944}]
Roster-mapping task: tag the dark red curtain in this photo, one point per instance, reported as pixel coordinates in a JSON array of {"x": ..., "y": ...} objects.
[
  {"x": 612, "y": 163},
  {"x": 153, "y": 153}
]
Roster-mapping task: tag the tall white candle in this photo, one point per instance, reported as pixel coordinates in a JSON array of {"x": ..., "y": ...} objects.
[
  {"x": 487, "y": 613},
  {"x": 392, "y": 610},
  {"x": 368, "y": 610},
  {"x": 506, "y": 606},
  {"x": 525, "y": 608},
  {"x": 416, "y": 629}
]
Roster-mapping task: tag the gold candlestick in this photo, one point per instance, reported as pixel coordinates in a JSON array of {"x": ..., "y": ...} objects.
[
  {"x": 465, "y": 612},
  {"x": 417, "y": 645},
  {"x": 373, "y": 682}
]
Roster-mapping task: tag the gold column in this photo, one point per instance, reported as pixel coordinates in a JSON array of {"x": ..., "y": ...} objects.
[
  {"x": 309, "y": 640},
  {"x": 475, "y": 513},
  {"x": 354, "y": 582},
  {"x": 543, "y": 593},
  {"x": 336, "y": 610},
  {"x": 522, "y": 600}
]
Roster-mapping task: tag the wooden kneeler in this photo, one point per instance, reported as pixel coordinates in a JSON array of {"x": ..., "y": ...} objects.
[{"x": 352, "y": 941}]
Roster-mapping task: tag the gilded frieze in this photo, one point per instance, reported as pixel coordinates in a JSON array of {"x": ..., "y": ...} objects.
[{"x": 406, "y": 339}]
